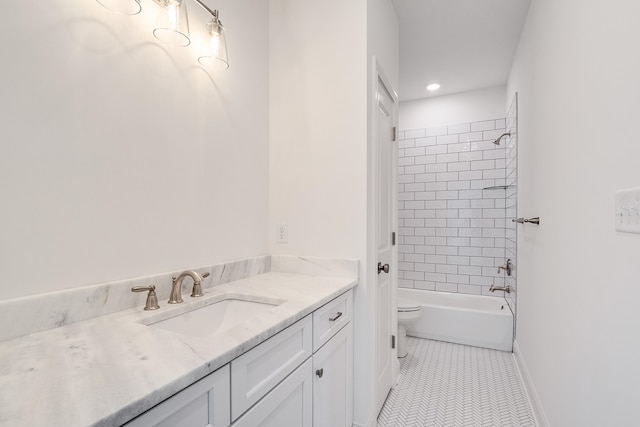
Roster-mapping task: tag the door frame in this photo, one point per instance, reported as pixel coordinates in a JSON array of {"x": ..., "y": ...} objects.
[{"x": 379, "y": 76}]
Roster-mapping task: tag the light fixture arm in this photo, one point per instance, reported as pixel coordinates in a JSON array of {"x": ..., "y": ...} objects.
[{"x": 213, "y": 13}]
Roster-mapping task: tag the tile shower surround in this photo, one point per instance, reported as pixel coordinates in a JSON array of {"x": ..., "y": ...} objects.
[
  {"x": 511, "y": 146},
  {"x": 451, "y": 232}
]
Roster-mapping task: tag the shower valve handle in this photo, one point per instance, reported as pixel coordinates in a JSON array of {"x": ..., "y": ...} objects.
[{"x": 506, "y": 267}]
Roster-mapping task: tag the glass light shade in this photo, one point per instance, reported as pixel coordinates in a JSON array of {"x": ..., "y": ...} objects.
[
  {"x": 125, "y": 7},
  {"x": 214, "y": 50},
  {"x": 172, "y": 24}
]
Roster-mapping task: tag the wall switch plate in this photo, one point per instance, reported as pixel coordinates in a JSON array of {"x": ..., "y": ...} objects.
[
  {"x": 628, "y": 210},
  {"x": 282, "y": 232}
]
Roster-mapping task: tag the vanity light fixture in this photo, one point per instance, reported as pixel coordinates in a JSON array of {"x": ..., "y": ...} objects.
[
  {"x": 172, "y": 28},
  {"x": 433, "y": 87},
  {"x": 214, "y": 50},
  {"x": 172, "y": 23}
]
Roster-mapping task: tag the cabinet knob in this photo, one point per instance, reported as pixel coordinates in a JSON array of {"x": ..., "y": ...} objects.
[{"x": 320, "y": 372}]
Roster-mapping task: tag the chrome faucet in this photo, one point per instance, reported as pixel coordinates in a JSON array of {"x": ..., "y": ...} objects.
[
  {"x": 494, "y": 288},
  {"x": 176, "y": 286}
]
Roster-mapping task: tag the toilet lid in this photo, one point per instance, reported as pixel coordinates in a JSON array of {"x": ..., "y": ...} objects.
[{"x": 407, "y": 305}]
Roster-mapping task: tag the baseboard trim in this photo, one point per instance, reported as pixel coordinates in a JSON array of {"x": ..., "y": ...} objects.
[
  {"x": 530, "y": 390},
  {"x": 371, "y": 422}
]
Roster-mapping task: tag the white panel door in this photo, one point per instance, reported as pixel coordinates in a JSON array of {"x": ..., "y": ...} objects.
[{"x": 384, "y": 151}]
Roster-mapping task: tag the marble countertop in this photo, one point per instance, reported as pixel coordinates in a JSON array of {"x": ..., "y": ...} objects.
[{"x": 107, "y": 370}]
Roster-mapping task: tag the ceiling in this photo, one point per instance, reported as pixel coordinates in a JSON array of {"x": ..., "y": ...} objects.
[{"x": 461, "y": 44}]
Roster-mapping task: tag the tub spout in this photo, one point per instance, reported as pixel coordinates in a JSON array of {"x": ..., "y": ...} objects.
[{"x": 494, "y": 288}]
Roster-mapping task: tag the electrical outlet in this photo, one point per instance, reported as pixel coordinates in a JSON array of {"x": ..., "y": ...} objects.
[
  {"x": 628, "y": 210},
  {"x": 282, "y": 232}
]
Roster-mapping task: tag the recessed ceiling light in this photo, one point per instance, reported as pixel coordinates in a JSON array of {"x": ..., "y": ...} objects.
[{"x": 433, "y": 86}]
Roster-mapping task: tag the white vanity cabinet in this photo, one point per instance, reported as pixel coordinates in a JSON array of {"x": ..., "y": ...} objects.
[
  {"x": 333, "y": 363},
  {"x": 263, "y": 367},
  {"x": 330, "y": 318},
  {"x": 287, "y": 405},
  {"x": 300, "y": 377},
  {"x": 204, "y": 403},
  {"x": 333, "y": 381},
  {"x": 318, "y": 393}
]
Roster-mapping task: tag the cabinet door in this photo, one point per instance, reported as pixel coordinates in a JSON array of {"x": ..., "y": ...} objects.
[
  {"x": 205, "y": 403},
  {"x": 287, "y": 405},
  {"x": 333, "y": 381},
  {"x": 260, "y": 369}
]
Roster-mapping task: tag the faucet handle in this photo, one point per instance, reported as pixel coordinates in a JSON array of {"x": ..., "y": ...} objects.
[
  {"x": 506, "y": 267},
  {"x": 152, "y": 298},
  {"x": 197, "y": 287}
]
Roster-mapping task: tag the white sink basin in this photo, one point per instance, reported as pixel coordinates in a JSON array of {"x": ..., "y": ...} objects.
[{"x": 215, "y": 318}]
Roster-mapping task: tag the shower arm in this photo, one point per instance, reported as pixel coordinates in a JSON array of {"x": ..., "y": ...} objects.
[{"x": 497, "y": 141}]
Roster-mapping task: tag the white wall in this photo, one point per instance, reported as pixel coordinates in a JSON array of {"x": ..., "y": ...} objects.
[
  {"x": 318, "y": 127},
  {"x": 319, "y": 142},
  {"x": 120, "y": 156},
  {"x": 576, "y": 73},
  {"x": 474, "y": 106},
  {"x": 318, "y": 147}
]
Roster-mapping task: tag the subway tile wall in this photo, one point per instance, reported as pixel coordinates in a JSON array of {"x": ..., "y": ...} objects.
[
  {"x": 511, "y": 146},
  {"x": 451, "y": 224}
]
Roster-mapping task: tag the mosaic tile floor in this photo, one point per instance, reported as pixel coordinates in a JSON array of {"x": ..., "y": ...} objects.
[{"x": 444, "y": 384}]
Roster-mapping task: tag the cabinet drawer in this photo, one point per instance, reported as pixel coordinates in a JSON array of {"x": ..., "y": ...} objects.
[
  {"x": 288, "y": 405},
  {"x": 204, "y": 403},
  {"x": 260, "y": 369},
  {"x": 330, "y": 318}
]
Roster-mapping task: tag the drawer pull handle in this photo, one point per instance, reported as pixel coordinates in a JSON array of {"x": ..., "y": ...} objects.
[
  {"x": 320, "y": 372},
  {"x": 333, "y": 319}
]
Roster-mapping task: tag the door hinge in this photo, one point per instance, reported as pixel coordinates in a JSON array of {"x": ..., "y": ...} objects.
[
  {"x": 393, "y": 341},
  {"x": 393, "y": 238},
  {"x": 394, "y": 133}
]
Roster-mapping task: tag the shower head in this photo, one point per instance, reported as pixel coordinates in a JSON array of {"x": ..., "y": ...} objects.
[{"x": 497, "y": 141}]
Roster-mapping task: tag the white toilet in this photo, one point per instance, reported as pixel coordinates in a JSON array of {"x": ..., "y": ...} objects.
[{"x": 408, "y": 312}]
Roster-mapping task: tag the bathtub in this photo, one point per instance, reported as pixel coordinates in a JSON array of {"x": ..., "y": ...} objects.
[{"x": 474, "y": 320}]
